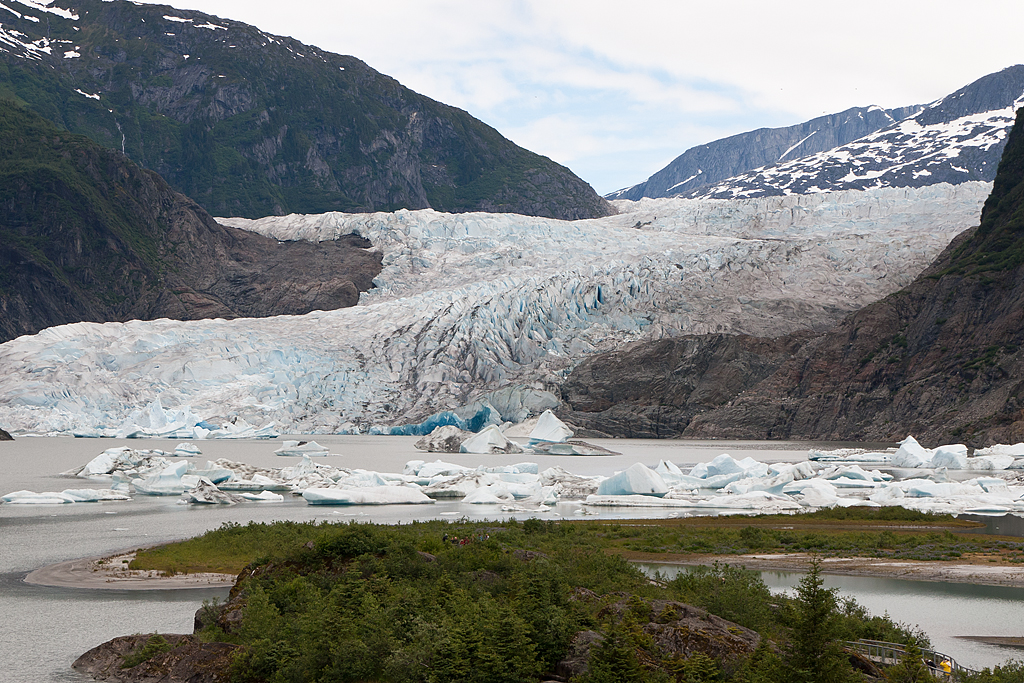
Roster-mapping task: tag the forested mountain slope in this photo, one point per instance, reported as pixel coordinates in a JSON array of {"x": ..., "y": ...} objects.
[{"x": 251, "y": 124}]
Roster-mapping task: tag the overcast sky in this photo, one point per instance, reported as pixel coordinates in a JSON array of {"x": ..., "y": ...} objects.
[{"x": 616, "y": 90}]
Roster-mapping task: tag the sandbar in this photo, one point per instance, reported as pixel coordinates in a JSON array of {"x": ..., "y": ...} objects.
[
  {"x": 948, "y": 571},
  {"x": 110, "y": 572}
]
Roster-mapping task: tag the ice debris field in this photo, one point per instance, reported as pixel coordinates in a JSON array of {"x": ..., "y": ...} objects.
[
  {"x": 474, "y": 309},
  {"x": 943, "y": 479}
]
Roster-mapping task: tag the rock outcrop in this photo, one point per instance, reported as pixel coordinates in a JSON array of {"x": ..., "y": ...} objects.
[
  {"x": 940, "y": 358},
  {"x": 89, "y": 236},
  {"x": 187, "y": 660}
]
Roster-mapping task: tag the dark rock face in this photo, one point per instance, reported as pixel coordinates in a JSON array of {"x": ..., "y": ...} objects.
[
  {"x": 189, "y": 661},
  {"x": 699, "y": 167},
  {"x": 89, "y": 236},
  {"x": 940, "y": 359},
  {"x": 249, "y": 124},
  {"x": 4, "y": 436},
  {"x": 654, "y": 389}
]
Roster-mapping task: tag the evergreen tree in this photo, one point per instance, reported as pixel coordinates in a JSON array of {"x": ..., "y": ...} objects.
[
  {"x": 911, "y": 668},
  {"x": 815, "y": 655}
]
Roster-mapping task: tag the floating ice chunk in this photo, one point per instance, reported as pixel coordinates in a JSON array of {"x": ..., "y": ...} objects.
[
  {"x": 636, "y": 500},
  {"x": 360, "y": 479},
  {"x": 550, "y": 428},
  {"x": 380, "y": 495},
  {"x": 215, "y": 474},
  {"x": 722, "y": 464},
  {"x": 922, "y": 488},
  {"x": 754, "y": 500},
  {"x": 430, "y": 470},
  {"x": 459, "y": 486},
  {"x": 95, "y": 495},
  {"x": 818, "y": 493},
  {"x": 849, "y": 455},
  {"x": 888, "y": 494},
  {"x": 295, "y": 448},
  {"x": 1016, "y": 450},
  {"x": 489, "y": 440},
  {"x": 206, "y": 493},
  {"x": 753, "y": 468},
  {"x": 568, "y": 486},
  {"x": 33, "y": 498},
  {"x": 495, "y": 494},
  {"x": 187, "y": 450},
  {"x": 990, "y": 462},
  {"x": 720, "y": 481},
  {"x": 911, "y": 454},
  {"x": 637, "y": 479},
  {"x": 444, "y": 439},
  {"x": 991, "y": 485},
  {"x": 952, "y": 457},
  {"x": 264, "y": 496},
  {"x": 166, "y": 482}
]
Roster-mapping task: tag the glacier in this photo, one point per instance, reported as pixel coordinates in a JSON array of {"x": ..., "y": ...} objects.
[{"x": 483, "y": 310}]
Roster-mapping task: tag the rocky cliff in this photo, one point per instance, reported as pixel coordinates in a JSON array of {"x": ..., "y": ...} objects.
[
  {"x": 940, "y": 358},
  {"x": 251, "y": 124},
  {"x": 86, "y": 235}
]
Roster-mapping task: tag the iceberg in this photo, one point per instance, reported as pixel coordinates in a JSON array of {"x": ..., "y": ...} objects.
[
  {"x": 304, "y": 448},
  {"x": 443, "y": 439},
  {"x": 263, "y": 496},
  {"x": 187, "y": 450},
  {"x": 989, "y": 462},
  {"x": 166, "y": 482},
  {"x": 32, "y": 498},
  {"x": 550, "y": 429},
  {"x": 638, "y": 479},
  {"x": 379, "y": 495},
  {"x": 206, "y": 493},
  {"x": 95, "y": 495},
  {"x": 495, "y": 494},
  {"x": 952, "y": 457},
  {"x": 489, "y": 440},
  {"x": 911, "y": 454}
]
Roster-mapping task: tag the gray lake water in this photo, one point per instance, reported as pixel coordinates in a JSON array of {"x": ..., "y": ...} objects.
[{"x": 44, "y": 629}]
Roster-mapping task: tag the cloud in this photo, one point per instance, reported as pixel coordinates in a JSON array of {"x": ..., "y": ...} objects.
[{"x": 610, "y": 88}]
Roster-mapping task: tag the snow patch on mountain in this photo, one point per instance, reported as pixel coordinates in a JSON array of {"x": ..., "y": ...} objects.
[
  {"x": 907, "y": 153},
  {"x": 468, "y": 303}
]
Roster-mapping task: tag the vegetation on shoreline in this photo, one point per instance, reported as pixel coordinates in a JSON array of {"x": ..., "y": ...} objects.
[{"x": 846, "y": 532}]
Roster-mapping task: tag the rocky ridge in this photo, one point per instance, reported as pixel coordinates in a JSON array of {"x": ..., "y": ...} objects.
[
  {"x": 940, "y": 358},
  {"x": 89, "y": 236},
  {"x": 251, "y": 124}
]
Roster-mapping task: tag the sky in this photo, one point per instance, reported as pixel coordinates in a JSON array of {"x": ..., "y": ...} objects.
[{"x": 616, "y": 90}]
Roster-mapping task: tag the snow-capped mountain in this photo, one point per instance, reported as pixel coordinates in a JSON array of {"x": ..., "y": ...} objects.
[
  {"x": 956, "y": 139},
  {"x": 705, "y": 165},
  {"x": 470, "y": 303}
]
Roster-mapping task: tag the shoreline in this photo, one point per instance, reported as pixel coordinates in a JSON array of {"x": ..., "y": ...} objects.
[
  {"x": 110, "y": 572},
  {"x": 943, "y": 571}
]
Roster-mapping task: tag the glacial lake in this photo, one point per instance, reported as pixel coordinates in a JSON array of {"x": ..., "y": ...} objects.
[{"x": 45, "y": 629}]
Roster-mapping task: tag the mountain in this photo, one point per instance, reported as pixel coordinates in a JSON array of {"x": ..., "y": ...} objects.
[
  {"x": 699, "y": 167},
  {"x": 957, "y": 139},
  {"x": 87, "y": 235},
  {"x": 251, "y": 124},
  {"x": 940, "y": 358}
]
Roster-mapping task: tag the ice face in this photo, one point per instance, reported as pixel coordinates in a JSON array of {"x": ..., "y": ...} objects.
[{"x": 473, "y": 305}]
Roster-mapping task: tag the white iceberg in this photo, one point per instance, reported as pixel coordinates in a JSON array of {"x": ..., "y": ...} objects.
[
  {"x": 495, "y": 494},
  {"x": 33, "y": 498},
  {"x": 487, "y": 441},
  {"x": 379, "y": 495},
  {"x": 990, "y": 462},
  {"x": 263, "y": 496},
  {"x": 166, "y": 482},
  {"x": 550, "y": 428},
  {"x": 297, "y": 448},
  {"x": 206, "y": 492},
  {"x": 911, "y": 454},
  {"x": 637, "y": 479},
  {"x": 95, "y": 495},
  {"x": 953, "y": 457},
  {"x": 187, "y": 450}
]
